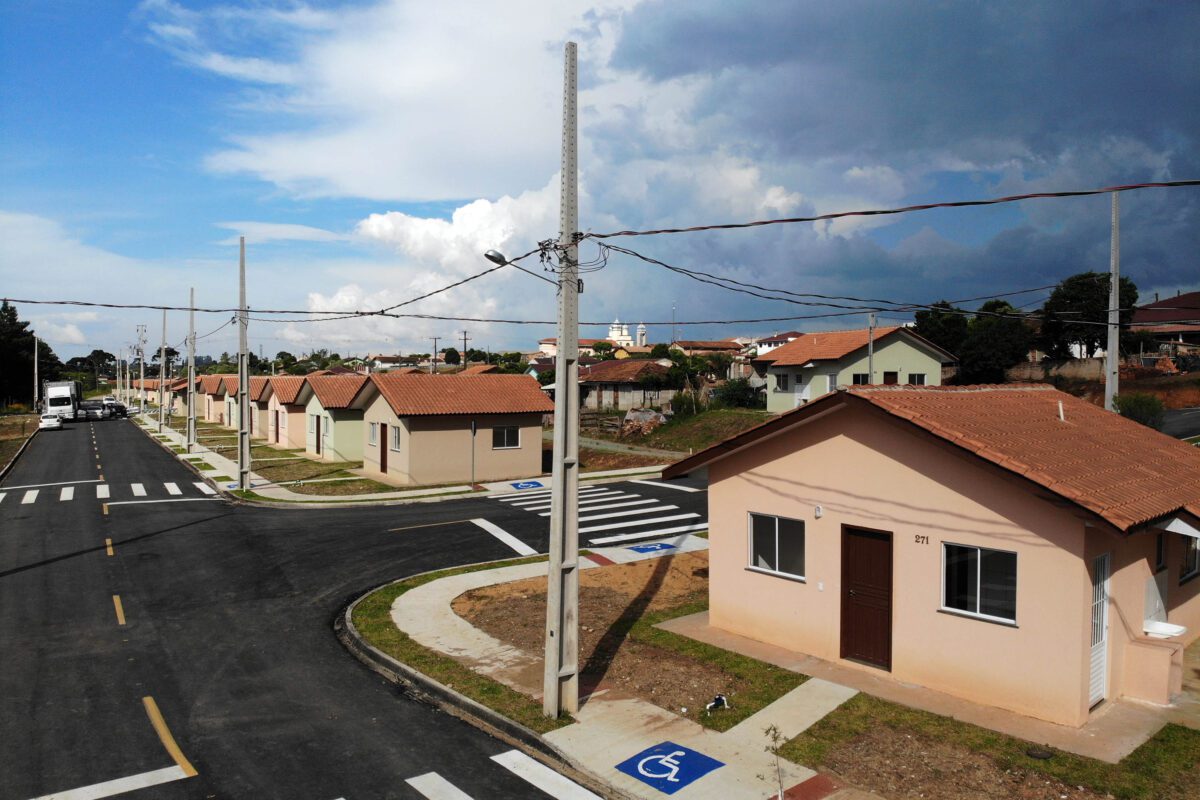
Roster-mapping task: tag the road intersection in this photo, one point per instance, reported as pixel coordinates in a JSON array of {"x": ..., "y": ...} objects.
[{"x": 219, "y": 616}]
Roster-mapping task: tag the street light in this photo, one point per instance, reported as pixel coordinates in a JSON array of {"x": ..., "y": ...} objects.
[{"x": 496, "y": 257}]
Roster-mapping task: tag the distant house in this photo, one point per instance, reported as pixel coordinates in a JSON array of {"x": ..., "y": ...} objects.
[
  {"x": 260, "y": 400},
  {"x": 1011, "y": 545},
  {"x": 1175, "y": 322},
  {"x": 334, "y": 416},
  {"x": 815, "y": 363},
  {"x": 633, "y": 351},
  {"x": 381, "y": 361},
  {"x": 285, "y": 412},
  {"x": 624, "y": 384},
  {"x": 426, "y": 429},
  {"x": 691, "y": 347},
  {"x": 479, "y": 369},
  {"x": 549, "y": 347},
  {"x": 766, "y": 344},
  {"x": 213, "y": 389}
]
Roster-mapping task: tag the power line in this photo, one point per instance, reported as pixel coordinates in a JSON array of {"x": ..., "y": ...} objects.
[{"x": 879, "y": 212}]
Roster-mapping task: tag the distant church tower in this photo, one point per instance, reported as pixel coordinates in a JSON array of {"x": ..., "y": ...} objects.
[
  {"x": 618, "y": 334},
  {"x": 641, "y": 334}
]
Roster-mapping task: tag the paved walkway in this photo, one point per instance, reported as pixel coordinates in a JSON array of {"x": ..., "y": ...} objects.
[
  {"x": 612, "y": 727},
  {"x": 224, "y": 466}
]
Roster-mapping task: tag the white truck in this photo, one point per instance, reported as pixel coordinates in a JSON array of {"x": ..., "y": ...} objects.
[{"x": 62, "y": 398}]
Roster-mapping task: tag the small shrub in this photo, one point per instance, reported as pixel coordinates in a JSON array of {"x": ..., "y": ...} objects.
[{"x": 1139, "y": 407}]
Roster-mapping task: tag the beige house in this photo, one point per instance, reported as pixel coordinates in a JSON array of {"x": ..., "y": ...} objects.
[
  {"x": 815, "y": 363},
  {"x": 285, "y": 414},
  {"x": 1011, "y": 545},
  {"x": 333, "y": 415},
  {"x": 429, "y": 429},
  {"x": 259, "y": 401},
  {"x": 212, "y": 407}
]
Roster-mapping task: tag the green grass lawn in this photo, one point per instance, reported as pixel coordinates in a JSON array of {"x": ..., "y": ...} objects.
[{"x": 693, "y": 433}]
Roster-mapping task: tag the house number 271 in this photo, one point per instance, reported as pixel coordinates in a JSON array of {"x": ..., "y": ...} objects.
[{"x": 922, "y": 539}]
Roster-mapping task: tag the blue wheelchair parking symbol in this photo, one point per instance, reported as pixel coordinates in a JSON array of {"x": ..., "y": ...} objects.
[
  {"x": 651, "y": 548},
  {"x": 526, "y": 485},
  {"x": 668, "y": 767}
]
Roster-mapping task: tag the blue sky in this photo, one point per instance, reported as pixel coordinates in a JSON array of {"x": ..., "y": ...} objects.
[{"x": 371, "y": 151}]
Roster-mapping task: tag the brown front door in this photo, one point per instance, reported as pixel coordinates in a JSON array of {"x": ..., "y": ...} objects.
[
  {"x": 867, "y": 596},
  {"x": 383, "y": 448},
  {"x": 317, "y": 428}
]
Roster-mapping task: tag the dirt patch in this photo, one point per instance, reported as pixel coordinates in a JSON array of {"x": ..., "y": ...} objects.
[
  {"x": 611, "y": 600},
  {"x": 14, "y": 430},
  {"x": 598, "y": 460},
  {"x": 903, "y": 766}
]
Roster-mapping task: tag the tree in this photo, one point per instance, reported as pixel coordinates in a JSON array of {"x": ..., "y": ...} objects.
[
  {"x": 996, "y": 340},
  {"x": 942, "y": 326},
  {"x": 603, "y": 350},
  {"x": 546, "y": 377},
  {"x": 16, "y": 359},
  {"x": 660, "y": 351},
  {"x": 738, "y": 393},
  {"x": 451, "y": 356},
  {"x": 1076, "y": 314},
  {"x": 1139, "y": 407}
]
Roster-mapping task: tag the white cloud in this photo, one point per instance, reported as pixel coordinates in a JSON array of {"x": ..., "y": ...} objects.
[
  {"x": 262, "y": 232},
  {"x": 57, "y": 334}
]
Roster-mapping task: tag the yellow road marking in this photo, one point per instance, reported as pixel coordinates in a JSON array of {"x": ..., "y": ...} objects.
[
  {"x": 105, "y": 508},
  {"x": 119, "y": 608},
  {"x": 164, "y": 735},
  {"x": 108, "y": 548},
  {"x": 428, "y": 525}
]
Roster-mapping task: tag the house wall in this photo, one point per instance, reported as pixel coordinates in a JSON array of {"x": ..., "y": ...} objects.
[
  {"x": 341, "y": 432},
  {"x": 291, "y": 424},
  {"x": 229, "y": 410},
  {"x": 214, "y": 408},
  {"x": 260, "y": 428},
  {"x": 895, "y": 354},
  {"x": 438, "y": 449},
  {"x": 868, "y": 472},
  {"x": 626, "y": 396}
]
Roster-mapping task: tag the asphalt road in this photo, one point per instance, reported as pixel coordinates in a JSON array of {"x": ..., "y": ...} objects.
[
  {"x": 228, "y": 614},
  {"x": 1182, "y": 423}
]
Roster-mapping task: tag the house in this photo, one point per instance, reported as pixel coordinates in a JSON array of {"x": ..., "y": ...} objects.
[
  {"x": 587, "y": 347},
  {"x": 334, "y": 416},
  {"x": 230, "y": 385},
  {"x": 624, "y": 384},
  {"x": 285, "y": 413},
  {"x": 815, "y": 363},
  {"x": 538, "y": 366},
  {"x": 479, "y": 369},
  {"x": 427, "y": 429},
  {"x": 633, "y": 351},
  {"x": 178, "y": 396},
  {"x": 690, "y": 347},
  {"x": 776, "y": 340},
  {"x": 1011, "y": 545},
  {"x": 1175, "y": 322},
  {"x": 260, "y": 400},
  {"x": 213, "y": 389}
]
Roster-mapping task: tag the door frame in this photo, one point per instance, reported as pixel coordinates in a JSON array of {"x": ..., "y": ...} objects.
[
  {"x": 383, "y": 447},
  {"x": 1095, "y": 699},
  {"x": 317, "y": 437},
  {"x": 891, "y": 541}
]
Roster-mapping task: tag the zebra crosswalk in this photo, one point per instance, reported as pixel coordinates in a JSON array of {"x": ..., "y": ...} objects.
[
  {"x": 106, "y": 492},
  {"x": 615, "y": 515},
  {"x": 433, "y": 786}
]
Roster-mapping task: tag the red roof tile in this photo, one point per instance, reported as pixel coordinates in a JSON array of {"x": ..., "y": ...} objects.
[
  {"x": 216, "y": 384},
  {"x": 1122, "y": 471},
  {"x": 336, "y": 391},
  {"x": 480, "y": 369},
  {"x": 625, "y": 370},
  {"x": 823, "y": 346},
  {"x": 258, "y": 385},
  {"x": 1181, "y": 308},
  {"x": 287, "y": 388},
  {"x": 426, "y": 395}
]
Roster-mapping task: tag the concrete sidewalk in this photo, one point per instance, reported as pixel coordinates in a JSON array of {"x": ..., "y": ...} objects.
[
  {"x": 612, "y": 728},
  {"x": 224, "y": 466}
]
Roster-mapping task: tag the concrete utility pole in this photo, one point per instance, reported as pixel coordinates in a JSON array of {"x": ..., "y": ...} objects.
[
  {"x": 463, "y": 360},
  {"x": 191, "y": 372},
  {"x": 142, "y": 367},
  {"x": 162, "y": 374},
  {"x": 870, "y": 348},
  {"x": 561, "y": 677},
  {"x": 35, "y": 373},
  {"x": 433, "y": 358},
  {"x": 243, "y": 375},
  {"x": 1111, "y": 360}
]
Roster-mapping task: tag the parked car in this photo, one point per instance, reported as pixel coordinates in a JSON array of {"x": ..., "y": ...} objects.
[
  {"x": 118, "y": 411},
  {"x": 94, "y": 409},
  {"x": 50, "y": 422}
]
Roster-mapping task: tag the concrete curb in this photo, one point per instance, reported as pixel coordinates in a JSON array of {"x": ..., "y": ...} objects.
[
  {"x": 12, "y": 461},
  {"x": 421, "y": 687}
]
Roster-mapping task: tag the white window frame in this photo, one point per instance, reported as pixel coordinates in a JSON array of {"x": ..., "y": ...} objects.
[
  {"x": 373, "y": 434},
  {"x": 752, "y": 567},
  {"x": 782, "y": 382},
  {"x": 831, "y": 381},
  {"x": 394, "y": 436},
  {"x": 1191, "y": 550},
  {"x": 978, "y": 568},
  {"x": 312, "y": 423},
  {"x": 282, "y": 420},
  {"x": 913, "y": 376},
  {"x": 516, "y": 446}
]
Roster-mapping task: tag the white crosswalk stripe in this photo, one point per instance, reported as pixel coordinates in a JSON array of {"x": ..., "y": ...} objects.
[
  {"x": 102, "y": 491},
  {"x": 656, "y": 534},
  {"x": 589, "y": 500},
  {"x": 138, "y": 489},
  {"x": 633, "y": 513},
  {"x": 30, "y": 496},
  {"x": 2, "y": 496},
  {"x": 606, "y": 506},
  {"x": 66, "y": 493},
  {"x": 541, "y": 776},
  {"x": 204, "y": 487},
  {"x": 633, "y": 523},
  {"x": 172, "y": 489},
  {"x": 544, "y": 500},
  {"x": 435, "y": 787}
]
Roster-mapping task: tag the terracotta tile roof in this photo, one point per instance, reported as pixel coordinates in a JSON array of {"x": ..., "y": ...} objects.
[
  {"x": 1122, "y": 471},
  {"x": 708, "y": 345},
  {"x": 287, "y": 388},
  {"x": 258, "y": 385},
  {"x": 216, "y": 384},
  {"x": 230, "y": 383},
  {"x": 786, "y": 336},
  {"x": 823, "y": 346},
  {"x": 1181, "y": 308},
  {"x": 625, "y": 370},
  {"x": 480, "y": 369},
  {"x": 427, "y": 395},
  {"x": 336, "y": 391}
]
